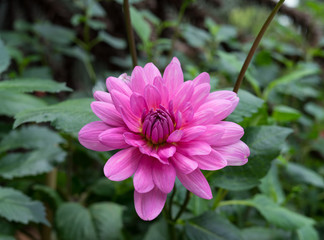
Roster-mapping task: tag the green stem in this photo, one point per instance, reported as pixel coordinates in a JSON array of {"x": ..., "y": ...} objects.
[
  {"x": 130, "y": 35},
  {"x": 183, "y": 207},
  {"x": 255, "y": 45},
  {"x": 219, "y": 197},
  {"x": 170, "y": 202}
]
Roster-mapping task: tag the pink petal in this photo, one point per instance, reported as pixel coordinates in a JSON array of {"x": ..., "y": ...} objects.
[
  {"x": 114, "y": 138},
  {"x": 102, "y": 96},
  {"x": 203, "y": 117},
  {"x": 123, "y": 164},
  {"x": 213, "y": 134},
  {"x": 166, "y": 151},
  {"x": 192, "y": 133},
  {"x": 173, "y": 77},
  {"x": 89, "y": 136},
  {"x": 133, "y": 139},
  {"x": 152, "y": 96},
  {"x": 196, "y": 183},
  {"x": 164, "y": 176},
  {"x": 183, "y": 95},
  {"x": 138, "y": 104},
  {"x": 107, "y": 113},
  {"x": 235, "y": 154},
  {"x": 194, "y": 148},
  {"x": 143, "y": 180},
  {"x": 176, "y": 60},
  {"x": 130, "y": 120},
  {"x": 187, "y": 113},
  {"x": 232, "y": 134},
  {"x": 175, "y": 136},
  {"x": 213, "y": 161},
  {"x": 221, "y": 108},
  {"x": 200, "y": 95},
  {"x": 183, "y": 164},
  {"x": 152, "y": 151},
  {"x": 224, "y": 95},
  {"x": 163, "y": 90},
  {"x": 138, "y": 80},
  {"x": 202, "y": 78},
  {"x": 151, "y": 72},
  {"x": 149, "y": 205},
  {"x": 118, "y": 85}
]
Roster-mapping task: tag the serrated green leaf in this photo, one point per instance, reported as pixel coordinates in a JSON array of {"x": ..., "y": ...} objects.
[
  {"x": 283, "y": 113},
  {"x": 265, "y": 143},
  {"x": 115, "y": 42},
  {"x": 211, "y": 226},
  {"x": 17, "y": 207},
  {"x": 13, "y": 103},
  {"x": 45, "y": 152},
  {"x": 4, "y": 57},
  {"x": 303, "y": 174},
  {"x": 248, "y": 105},
  {"x": 100, "y": 222},
  {"x": 141, "y": 26},
  {"x": 307, "y": 233},
  {"x": 280, "y": 216},
  {"x": 69, "y": 116},
  {"x": 32, "y": 85}
]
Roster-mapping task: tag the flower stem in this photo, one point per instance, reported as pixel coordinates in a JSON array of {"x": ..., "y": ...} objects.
[
  {"x": 255, "y": 45},
  {"x": 130, "y": 35},
  {"x": 236, "y": 202},
  {"x": 219, "y": 197},
  {"x": 183, "y": 207}
]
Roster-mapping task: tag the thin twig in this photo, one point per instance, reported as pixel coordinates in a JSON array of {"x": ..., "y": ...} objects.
[
  {"x": 183, "y": 207},
  {"x": 255, "y": 45}
]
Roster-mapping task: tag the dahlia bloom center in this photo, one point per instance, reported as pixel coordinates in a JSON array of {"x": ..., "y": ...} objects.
[{"x": 157, "y": 125}]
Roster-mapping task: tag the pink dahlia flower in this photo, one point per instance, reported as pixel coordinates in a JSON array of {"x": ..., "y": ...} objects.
[{"x": 166, "y": 128}]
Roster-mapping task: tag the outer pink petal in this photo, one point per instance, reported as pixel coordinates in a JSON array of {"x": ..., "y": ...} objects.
[
  {"x": 175, "y": 136},
  {"x": 235, "y": 154},
  {"x": 89, "y": 136},
  {"x": 138, "y": 80},
  {"x": 213, "y": 161},
  {"x": 123, "y": 164},
  {"x": 119, "y": 85},
  {"x": 221, "y": 108},
  {"x": 202, "y": 78},
  {"x": 194, "y": 148},
  {"x": 200, "y": 95},
  {"x": 164, "y": 176},
  {"x": 102, "y": 96},
  {"x": 149, "y": 205},
  {"x": 225, "y": 95},
  {"x": 114, "y": 138},
  {"x": 232, "y": 134},
  {"x": 183, "y": 164},
  {"x": 138, "y": 104},
  {"x": 152, "y": 96},
  {"x": 107, "y": 113},
  {"x": 203, "y": 117},
  {"x": 143, "y": 180},
  {"x": 213, "y": 134},
  {"x": 151, "y": 72},
  {"x": 196, "y": 183},
  {"x": 192, "y": 133},
  {"x": 173, "y": 77},
  {"x": 183, "y": 95}
]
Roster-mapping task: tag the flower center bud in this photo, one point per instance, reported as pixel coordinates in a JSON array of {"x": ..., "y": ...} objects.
[{"x": 157, "y": 126}]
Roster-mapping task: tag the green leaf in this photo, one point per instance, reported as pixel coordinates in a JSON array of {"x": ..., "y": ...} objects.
[
  {"x": 248, "y": 105},
  {"x": 17, "y": 207},
  {"x": 32, "y": 85},
  {"x": 115, "y": 42},
  {"x": 283, "y": 113},
  {"x": 280, "y": 216},
  {"x": 69, "y": 116},
  {"x": 265, "y": 143},
  {"x": 211, "y": 226},
  {"x": 307, "y": 233},
  {"x": 196, "y": 37},
  {"x": 260, "y": 233},
  {"x": 49, "y": 194},
  {"x": 293, "y": 76},
  {"x": 102, "y": 221},
  {"x": 6, "y": 237},
  {"x": 54, "y": 33},
  {"x": 157, "y": 231},
  {"x": 141, "y": 26},
  {"x": 13, "y": 103},
  {"x": 271, "y": 186},
  {"x": 302, "y": 174},
  {"x": 45, "y": 152},
  {"x": 107, "y": 218},
  {"x": 316, "y": 110},
  {"x": 4, "y": 57}
]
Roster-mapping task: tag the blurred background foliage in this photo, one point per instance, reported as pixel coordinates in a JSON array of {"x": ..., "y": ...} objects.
[{"x": 55, "y": 54}]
